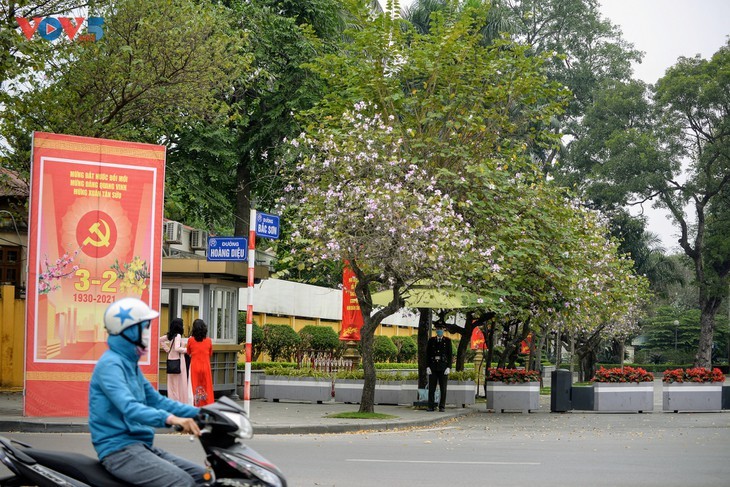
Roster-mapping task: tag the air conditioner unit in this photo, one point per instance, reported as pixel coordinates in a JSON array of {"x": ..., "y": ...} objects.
[
  {"x": 173, "y": 232},
  {"x": 198, "y": 240}
]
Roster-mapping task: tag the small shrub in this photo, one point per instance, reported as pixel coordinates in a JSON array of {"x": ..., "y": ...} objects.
[
  {"x": 319, "y": 339},
  {"x": 695, "y": 374},
  {"x": 627, "y": 374},
  {"x": 280, "y": 341},
  {"x": 407, "y": 348},
  {"x": 513, "y": 376},
  {"x": 384, "y": 349},
  {"x": 463, "y": 375}
]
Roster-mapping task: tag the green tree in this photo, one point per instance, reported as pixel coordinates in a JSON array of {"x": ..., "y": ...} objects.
[
  {"x": 384, "y": 350},
  {"x": 458, "y": 112},
  {"x": 590, "y": 51},
  {"x": 671, "y": 149},
  {"x": 280, "y": 341},
  {"x": 319, "y": 339},
  {"x": 406, "y": 348},
  {"x": 373, "y": 210},
  {"x": 159, "y": 65}
]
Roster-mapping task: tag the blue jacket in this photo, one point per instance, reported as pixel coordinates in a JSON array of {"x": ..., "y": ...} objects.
[{"x": 124, "y": 408}]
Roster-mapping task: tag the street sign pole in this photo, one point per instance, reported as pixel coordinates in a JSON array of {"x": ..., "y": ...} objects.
[{"x": 249, "y": 312}]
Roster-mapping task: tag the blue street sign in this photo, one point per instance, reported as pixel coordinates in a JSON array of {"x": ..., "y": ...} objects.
[
  {"x": 227, "y": 249},
  {"x": 267, "y": 226}
]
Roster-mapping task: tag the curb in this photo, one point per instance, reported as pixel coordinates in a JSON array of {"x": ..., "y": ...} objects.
[{"x": 25, "y": 426}]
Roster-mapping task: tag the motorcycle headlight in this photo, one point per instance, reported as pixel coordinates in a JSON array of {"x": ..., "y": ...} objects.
[
  {"x": 240, "y": 464},
  {"x": 245, "y": 430}
]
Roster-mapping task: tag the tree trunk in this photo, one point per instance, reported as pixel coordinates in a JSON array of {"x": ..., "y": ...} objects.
[
  {"x": 464, "y": 339},
  {"x": 708, "y": 307},
  {"x": 489, "y": 339},
  {"x": 367, "y": 338},
  {"x": 588, "y": 360},
  {"x": 370, "y": 324}
]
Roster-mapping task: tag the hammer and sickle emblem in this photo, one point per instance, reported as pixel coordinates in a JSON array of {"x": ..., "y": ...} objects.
[{"x": 103, "y": 237}]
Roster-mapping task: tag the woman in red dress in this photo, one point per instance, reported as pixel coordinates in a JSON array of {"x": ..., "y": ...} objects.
[{"x": 200, "y": 348}]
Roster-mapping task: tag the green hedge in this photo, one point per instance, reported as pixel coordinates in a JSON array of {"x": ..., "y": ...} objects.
[
  {"x": 264, "y": 365},
  {"x": 355, "y": 374},
  {"x": 358, "y": 374},
  {"x": 654, "y": 368}
]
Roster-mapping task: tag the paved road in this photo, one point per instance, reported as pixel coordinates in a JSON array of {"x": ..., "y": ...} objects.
[{"x": 570, "y": 449}]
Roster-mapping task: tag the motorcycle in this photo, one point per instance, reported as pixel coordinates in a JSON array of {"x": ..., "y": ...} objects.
[{"x": 222, "y": 425}]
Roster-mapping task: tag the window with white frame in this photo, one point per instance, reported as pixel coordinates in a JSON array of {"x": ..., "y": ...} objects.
[{"x": 223, "y": 315}]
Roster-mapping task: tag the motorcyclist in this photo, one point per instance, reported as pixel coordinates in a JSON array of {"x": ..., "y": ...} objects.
[{"x": 124, "y": 408}]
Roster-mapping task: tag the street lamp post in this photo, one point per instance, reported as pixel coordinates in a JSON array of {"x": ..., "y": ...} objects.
[{"x": 676, "y": 328}]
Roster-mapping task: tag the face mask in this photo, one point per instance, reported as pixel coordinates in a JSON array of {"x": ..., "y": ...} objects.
[
  {"x": 439, "y": 333},
  {"x": 146, "y": 336}
]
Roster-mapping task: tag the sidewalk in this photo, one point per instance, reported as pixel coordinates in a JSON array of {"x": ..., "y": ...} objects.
[{"x": 268, "y": 418}]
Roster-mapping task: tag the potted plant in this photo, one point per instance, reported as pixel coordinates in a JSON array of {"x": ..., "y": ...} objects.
[
  {"x": 461, "y": 389},
  {"x": 513, "y": 389},
  {"x": 623, "y": 389},
  {"x": 694, "y": 389}
]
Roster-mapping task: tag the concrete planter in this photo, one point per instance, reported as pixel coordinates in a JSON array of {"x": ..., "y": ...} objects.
[
  {"x": 348, "y": 390},
  {"x": 305, "y": 389},
  {"x": 692, "y": 396},
  {"x": 408, "y": 392},
  {"x": 461, "y": 392},
  {"x": 256, "y": 388},
  {"x": 388, "y": 391},
  {"x": 524, "y": 397},
  {"x": 623, "y": 396}
]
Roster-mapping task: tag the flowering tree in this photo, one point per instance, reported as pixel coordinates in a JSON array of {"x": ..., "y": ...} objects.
[
  {"x": 353, "y": 196},
  {"x": 557, "y": 269},
  {"x": 473, "y": 114}
]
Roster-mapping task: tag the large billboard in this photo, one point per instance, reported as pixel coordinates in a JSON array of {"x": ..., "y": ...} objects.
[{"x": 95, "y": 236}]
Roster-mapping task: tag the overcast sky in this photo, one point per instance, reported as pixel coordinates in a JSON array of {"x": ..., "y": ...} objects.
[{"x": 665, "y": 30}]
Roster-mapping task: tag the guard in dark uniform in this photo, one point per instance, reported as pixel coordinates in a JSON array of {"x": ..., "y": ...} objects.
[{"x": 438, "y": 360}]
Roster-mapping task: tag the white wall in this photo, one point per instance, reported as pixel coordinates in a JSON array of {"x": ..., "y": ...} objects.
[{"x": 276, "y": 296}]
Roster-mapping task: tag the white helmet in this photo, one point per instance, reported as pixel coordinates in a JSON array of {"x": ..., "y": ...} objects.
[{"x": 126, "y": 312}]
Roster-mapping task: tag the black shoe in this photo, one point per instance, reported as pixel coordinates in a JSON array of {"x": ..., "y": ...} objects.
[
  {"x": 429, "y": 409},
  {"x": 441, "y": 410}
]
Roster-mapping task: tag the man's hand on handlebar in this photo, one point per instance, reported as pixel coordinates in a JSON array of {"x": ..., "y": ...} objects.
[{"x": 184, "y": 425}]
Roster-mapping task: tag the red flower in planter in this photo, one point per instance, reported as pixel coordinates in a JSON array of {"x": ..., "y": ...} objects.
[
  {"x": 512, "y": 376},
  {"x": 696, "y": 374},
  {"x": 627, "y": 374}
]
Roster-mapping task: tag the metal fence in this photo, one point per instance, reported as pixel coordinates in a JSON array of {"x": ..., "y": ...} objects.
[{"x": 324, "y": 362}]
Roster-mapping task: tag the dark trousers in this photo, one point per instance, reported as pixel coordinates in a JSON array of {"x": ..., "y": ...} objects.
[{"x": 442, "y": 380}]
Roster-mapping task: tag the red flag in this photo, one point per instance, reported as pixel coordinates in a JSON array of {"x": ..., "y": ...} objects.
[
  {"x": 477, "y": 340},
  {"x": 351, "y": 315},
  {"x": 525, "y": 345}
]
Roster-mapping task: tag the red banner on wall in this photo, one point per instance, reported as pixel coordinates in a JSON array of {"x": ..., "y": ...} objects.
[
  {"x": 351, "y": 315},
  {"x": 95, "y": 236}
]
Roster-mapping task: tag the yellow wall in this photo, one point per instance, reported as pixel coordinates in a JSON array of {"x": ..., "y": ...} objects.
[
  {"x": 12, "y": 338},
  {"x": 12, "y": 333}
]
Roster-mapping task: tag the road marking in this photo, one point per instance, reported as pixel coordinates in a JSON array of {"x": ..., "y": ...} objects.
[
  {"x": 418, "y": 430},
  {"x": 374, "y": 460}
]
